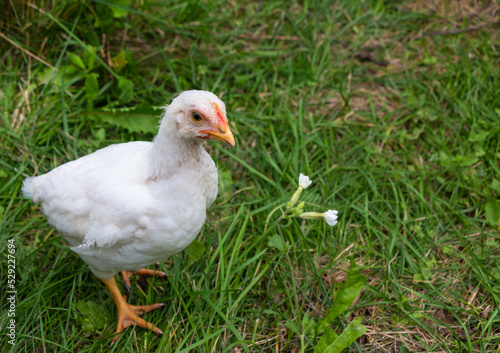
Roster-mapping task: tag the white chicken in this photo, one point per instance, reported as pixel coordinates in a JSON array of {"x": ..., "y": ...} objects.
[{"x": 130, "y": 205}]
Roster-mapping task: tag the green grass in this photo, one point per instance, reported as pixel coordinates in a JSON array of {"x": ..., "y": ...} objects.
[{"x": 408, "y": 153}]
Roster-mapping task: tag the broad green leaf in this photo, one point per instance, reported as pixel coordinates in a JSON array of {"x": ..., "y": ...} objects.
[
  {"x": 276, "y": 242},
  {"x": 448, "y": 250},
  {"x": 495, "y": 185},
  {"x": 195, "y": 251},
  {"x": 443, "y": 158},
  {"x": 478, "y": 136},
  {"x": 126, "y": 88},
  {"x": 142, "y": 118},
  {"x": 465, "y": 161},
  {"x": 479, "y": 151},
  {"x": 70, "y": 73},
  {"x": 119, "y": 61},
  {"x": 345, "y": 296},
  {"x": 415, "y": 135},
  {"x": 418, "y": 277},
  {"x": 100, "y": 134},
  {"x": 89, "y": 316},
  {"x": 91, "y": 86},
  {"x": 492, "y": 211},
  {"x": 88, "y": 57},
  {"x": 331, "y": 343},
  {"x": 496, "y": 273},
  {"x": 291, "y": 325},
  {"x": 427, "y": 114},
  {"x": 325, "y": 341},
  {"x": 308, "y": 323},
  {"x": 105, "y": 17},
  {"x": 119, "y": 7},
  {"x": 429, "y": 60},
  {"x": 75, "y": 59}
]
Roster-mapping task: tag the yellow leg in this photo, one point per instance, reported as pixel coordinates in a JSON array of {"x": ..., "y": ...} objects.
[
  {"x": 126, "y": 275},
  {"x": 128, "y": 315}
]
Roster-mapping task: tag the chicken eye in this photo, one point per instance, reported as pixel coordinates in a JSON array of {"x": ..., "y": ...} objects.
[{"x": 197, "y": 116}]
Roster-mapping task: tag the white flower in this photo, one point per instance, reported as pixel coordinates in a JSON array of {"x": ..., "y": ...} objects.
[
  {"x": 304, "y": 181},
  {"x": 331, "y": 217}
]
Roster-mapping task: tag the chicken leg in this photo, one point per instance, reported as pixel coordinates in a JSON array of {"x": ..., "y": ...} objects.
[{"x": 128, "y": 315}]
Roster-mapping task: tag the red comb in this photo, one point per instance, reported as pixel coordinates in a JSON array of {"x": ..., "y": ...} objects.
[{"x": 219, "y": 113}]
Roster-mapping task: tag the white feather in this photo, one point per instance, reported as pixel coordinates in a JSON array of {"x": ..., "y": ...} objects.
[{"x": 133, "y": 204}]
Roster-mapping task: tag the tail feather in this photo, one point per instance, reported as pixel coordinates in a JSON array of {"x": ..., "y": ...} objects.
[{"x": 27, "y": 188}]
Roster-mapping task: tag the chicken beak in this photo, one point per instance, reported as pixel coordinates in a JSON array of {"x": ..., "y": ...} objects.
[{"x": 223, "y": 134}]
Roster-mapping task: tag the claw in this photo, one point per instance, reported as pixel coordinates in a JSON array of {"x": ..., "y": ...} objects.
[
  {"x": 128, "y": 315},
  {"x": 126, "y": 275}
]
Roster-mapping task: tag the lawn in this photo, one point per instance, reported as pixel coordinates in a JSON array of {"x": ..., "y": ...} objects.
[{"x": 391, "y": 108}]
